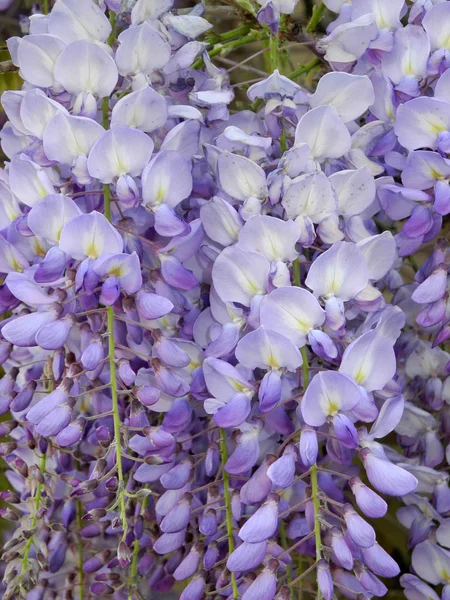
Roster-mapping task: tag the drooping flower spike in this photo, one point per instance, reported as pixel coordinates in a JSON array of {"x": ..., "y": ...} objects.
[{"x": 224, "y": 334}]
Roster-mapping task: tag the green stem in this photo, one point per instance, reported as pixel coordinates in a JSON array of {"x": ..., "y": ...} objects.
[
  {"x": 134, "y": 564},
  {"x": 80, "y": 553},
  {"x": 226, "y": 493},
  {"x": 45, "y": 7},
  {"x": 305, "y": 368},
  {"x": 313, "y": 474},
  {"x": 37, "y": 501},
  {"x": 317, "y": 14},
  {"x": 215, "y": 38},
  {"x": 134, "y": 561},
  {"x": 247, "y": 6},
  {"x": 105, "y": 112},
  {"x": 234, "y": 33},
  {"x": 283, "y": 142},
  {"x": 274, "y": 54},
  {"x": 107, "y": 201},
  {"x": 112, "y": 35},
  {"x": 224, "y": 49},
  {"x": 316, "y": 505},
  {"x": 305, "y": 68},
  {"x": 110, "y": 331},
  {"x": 296, "y": 272},
  {"x": 115, "y": 408},
  {"x": 252, "y": 36},
  {"x": 313, "y": 471}
]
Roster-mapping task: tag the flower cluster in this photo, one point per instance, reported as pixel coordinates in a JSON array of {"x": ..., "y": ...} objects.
[{"x": 224, "y": 351}]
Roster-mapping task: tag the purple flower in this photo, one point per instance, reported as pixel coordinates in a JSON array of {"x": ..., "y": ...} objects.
[
  {"x": 247, "y": 556},
  {"x": 328, "y": 394},
  {"x": 360, "y": 532},
  {"x": 263, "y": 523},
  {"x": 386, "y": 477},
  {"x": 214, "y": 311}
]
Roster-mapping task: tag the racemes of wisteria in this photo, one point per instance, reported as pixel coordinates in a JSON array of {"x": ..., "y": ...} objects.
[{"x": 225, "y": 333}]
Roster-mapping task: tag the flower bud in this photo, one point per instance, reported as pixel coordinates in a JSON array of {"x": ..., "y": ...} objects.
[
  {"x": 211, "y": 556},
  {"x": 123, "y": 554},
  {"x": 94, "y": 529},
  {"x": 359, "y": 530},
  {"x": 263, "y": 523},
  {"x": 195, "y": 588},
  {"x": 308, "y": 446},
  {"x": 189, "y": 564},
  {"x": 371, "y": 504},
  {"x": 324, "y": 580},
  {"x": 96, "y": 562},
  {"x": 102, "y": 589}
]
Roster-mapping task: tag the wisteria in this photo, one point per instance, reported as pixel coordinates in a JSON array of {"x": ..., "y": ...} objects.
[{"x": 225, "y": 333}]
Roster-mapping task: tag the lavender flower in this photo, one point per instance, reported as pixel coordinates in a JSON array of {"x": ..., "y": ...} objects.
[{"x": 223, "y": 348}]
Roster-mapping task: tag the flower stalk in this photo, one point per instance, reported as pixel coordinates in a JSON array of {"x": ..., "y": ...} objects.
[
  {"x": 134, "y": 560},
  {"x": 274, "y": 52},
  {"x": 228, "y": 513},
  {"x": 80, "y": 552},
  {"x": 226, "y": 48},
  {"x": 37, "y": 502},
  {"x": 313, "y": 474},
  {"x": 121, "y": 503},
  {"x": 303, "y": 69},
  {"x": 316, "y": 17},
  {"x": 313, "y": 470}
]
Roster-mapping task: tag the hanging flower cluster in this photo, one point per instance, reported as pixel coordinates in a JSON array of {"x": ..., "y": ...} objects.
[{"x": 223, "y": 350}]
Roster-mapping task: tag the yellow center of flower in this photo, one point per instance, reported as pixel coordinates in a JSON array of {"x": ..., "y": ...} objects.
[
  {"x": 272, "y": 361},
  {"x": 333, "y": 408},
  {"x": 116, "y": 271},
  {"x": 359, "y": 376},
  {"x": 15, "y": 265},
  {"x": 92, "y": 250}
]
